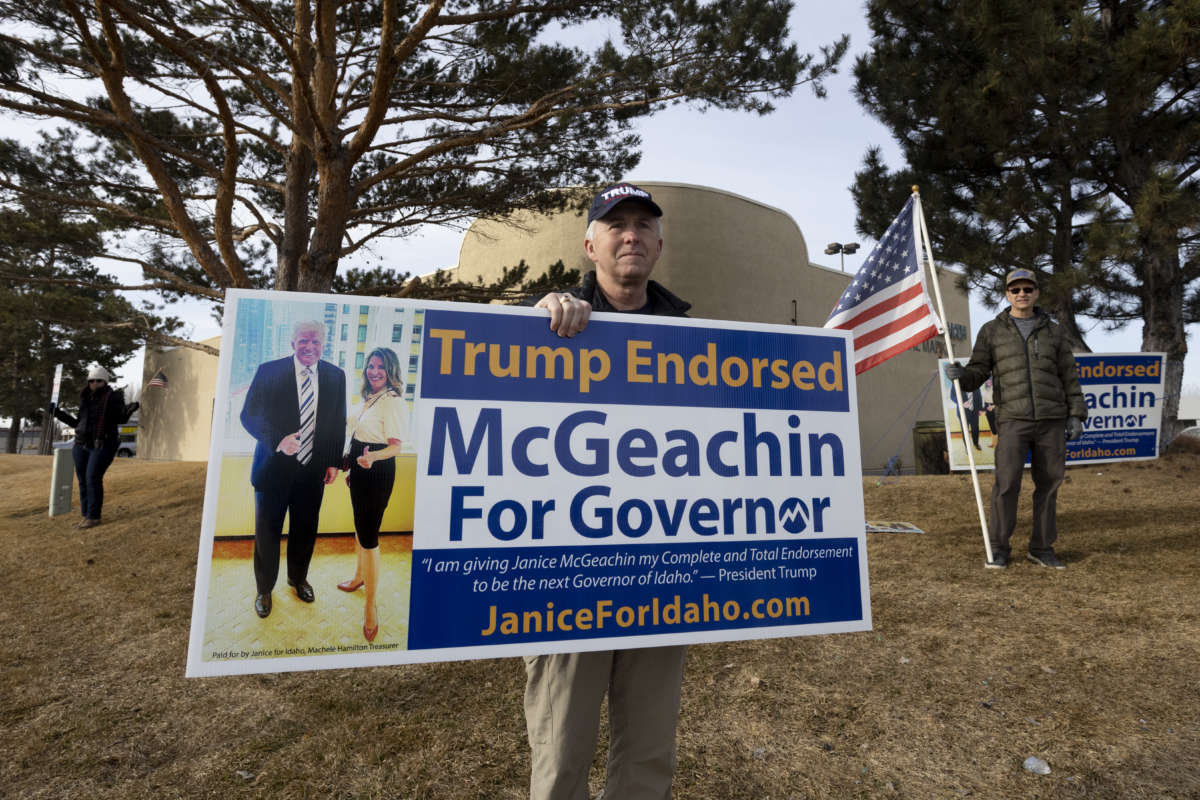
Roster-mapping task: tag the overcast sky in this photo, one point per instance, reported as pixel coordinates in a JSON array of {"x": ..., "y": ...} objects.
[{"x": 801, "y": 159}]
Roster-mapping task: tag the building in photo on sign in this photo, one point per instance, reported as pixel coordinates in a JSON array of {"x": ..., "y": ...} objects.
[
  {"x": 731, "y": 256},
  {"x": 178, "y": 423}
]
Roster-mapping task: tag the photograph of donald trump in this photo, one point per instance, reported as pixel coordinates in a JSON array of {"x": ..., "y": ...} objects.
[{"x": 296, "y": 411}]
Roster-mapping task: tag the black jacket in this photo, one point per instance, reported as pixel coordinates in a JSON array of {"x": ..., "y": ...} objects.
[
  {"x": 101, "y": 414},
  {"x": 660, "y": 302}
]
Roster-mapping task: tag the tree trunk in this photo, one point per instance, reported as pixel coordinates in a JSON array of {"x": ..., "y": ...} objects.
[
  {"x": 333, "y": 207},
  {"x": 1162, "y": 325},
  {"x": 300, "y": 161},
  {"x": 1172, "y": 386},
  {"x": 14, "y": 434},
  {"x": 46, "y": 440},
  {"x": 49, "y": 423},
  {"x": 1063, "y": 262},
  {"x": 1063, "y": 313},
  {"x": 294, "y": 241}
]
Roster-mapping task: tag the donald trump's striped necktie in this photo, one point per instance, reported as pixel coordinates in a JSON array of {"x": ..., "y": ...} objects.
[{"x": 308, "y": 417}]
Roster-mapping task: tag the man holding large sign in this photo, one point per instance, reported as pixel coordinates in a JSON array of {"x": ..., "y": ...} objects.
[
  {"x": 564, "y": 691},
  {"x": 651, "y": 482},
  {"x": 1039, "y": 408}
]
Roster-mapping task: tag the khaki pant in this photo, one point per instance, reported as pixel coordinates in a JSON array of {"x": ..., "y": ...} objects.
[
  {"x": 563, "y": 694},
  {"x": 1046, "y": 442}
]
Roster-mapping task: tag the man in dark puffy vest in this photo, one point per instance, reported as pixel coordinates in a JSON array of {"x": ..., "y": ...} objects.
[
  {"x": 564, "y": 691},
  {"x": 1039, "y": 407}
]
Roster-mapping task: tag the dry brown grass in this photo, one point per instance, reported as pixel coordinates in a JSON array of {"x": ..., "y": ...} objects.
[{"x": 966, "y": 673}]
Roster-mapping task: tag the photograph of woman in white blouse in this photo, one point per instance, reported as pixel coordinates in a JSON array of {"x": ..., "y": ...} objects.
[{"x": 377, "y": 427}]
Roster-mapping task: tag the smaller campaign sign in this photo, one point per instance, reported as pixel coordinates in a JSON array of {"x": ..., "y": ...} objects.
[{"x": 1124, "y": 395}]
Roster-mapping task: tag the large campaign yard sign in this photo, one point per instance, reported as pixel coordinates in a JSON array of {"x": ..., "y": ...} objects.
[
  {"x": 651, "y": 481},
  {"x": 1124, "y": 396}
]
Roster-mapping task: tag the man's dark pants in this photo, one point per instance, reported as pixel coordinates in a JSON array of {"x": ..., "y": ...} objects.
[
  {"x": 1047, "y": 441},
  {"x": 301, "y": 501}
]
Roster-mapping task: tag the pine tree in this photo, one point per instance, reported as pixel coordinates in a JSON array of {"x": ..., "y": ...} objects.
[
  {"x": 57, "y": 308},
  {"x": 1059, "y": 136},
  {"x": 266, "y": 141},
  {"x": 1148, "y": 158}
]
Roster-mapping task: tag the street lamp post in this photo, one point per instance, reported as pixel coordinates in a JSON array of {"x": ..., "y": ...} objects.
[{"x": 847, "y": 249}]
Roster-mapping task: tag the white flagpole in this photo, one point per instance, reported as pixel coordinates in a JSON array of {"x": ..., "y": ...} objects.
[{"x": 962, "y": 416}]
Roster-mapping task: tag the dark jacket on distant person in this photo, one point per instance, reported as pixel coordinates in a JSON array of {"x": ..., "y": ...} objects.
[
  {"x": 101, "y": 414},
  {"x": 1032, "y": 379}
]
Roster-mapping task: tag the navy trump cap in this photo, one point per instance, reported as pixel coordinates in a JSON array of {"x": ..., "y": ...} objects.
[{"x": 608, "y": 199}]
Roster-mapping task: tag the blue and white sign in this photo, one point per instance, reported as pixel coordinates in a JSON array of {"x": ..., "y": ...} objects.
[
  {"x": 650, "y": 481},
  {"x": 1123, "y": 392}
]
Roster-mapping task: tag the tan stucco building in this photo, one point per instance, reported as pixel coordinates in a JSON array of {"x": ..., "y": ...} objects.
[
  {"x": 731, "y": 257},
  {"x": 176, "y": 422}
]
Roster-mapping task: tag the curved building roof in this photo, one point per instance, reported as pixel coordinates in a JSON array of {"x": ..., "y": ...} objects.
[{"x": 722, "y": 252}]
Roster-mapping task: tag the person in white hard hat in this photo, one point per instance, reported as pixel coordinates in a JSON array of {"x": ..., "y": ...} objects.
[{"x": 102, "y": 410}]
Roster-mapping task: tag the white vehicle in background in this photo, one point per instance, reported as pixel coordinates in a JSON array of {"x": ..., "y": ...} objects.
[{"x": 128, "y": 446}]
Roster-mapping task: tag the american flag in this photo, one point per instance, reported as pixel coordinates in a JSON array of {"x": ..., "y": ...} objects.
[
  {"x": 886, "y": 307},
  {"x": 159, "y": 380}
]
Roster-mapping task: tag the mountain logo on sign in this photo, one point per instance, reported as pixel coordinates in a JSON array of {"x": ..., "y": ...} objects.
[{"x": 793, "y": 515}]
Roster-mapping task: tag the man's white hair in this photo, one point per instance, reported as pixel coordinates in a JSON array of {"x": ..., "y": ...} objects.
[
  {"x": 308, "y": 325},
  {"x": 590, "y": 233}
]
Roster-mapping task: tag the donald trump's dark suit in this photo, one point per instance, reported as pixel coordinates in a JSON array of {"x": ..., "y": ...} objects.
[{"x": 282, "y": 484}]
